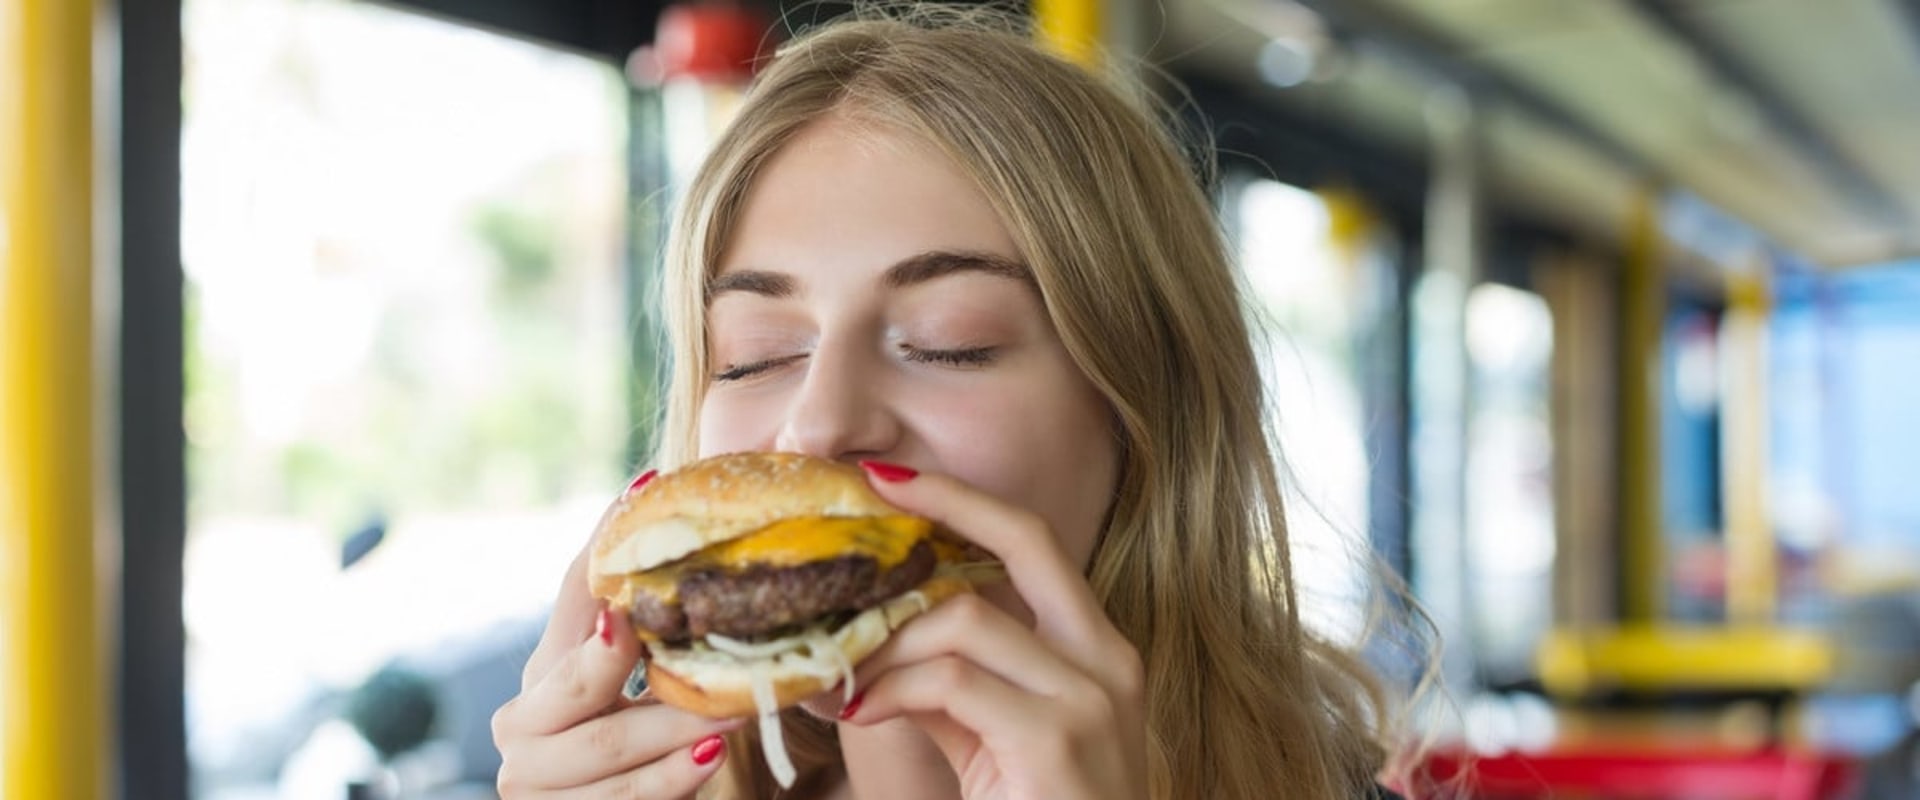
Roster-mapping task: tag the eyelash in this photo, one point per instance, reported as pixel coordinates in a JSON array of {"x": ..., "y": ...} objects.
[
  {"x": 968, "y": 357},
  {"x": 736, "y": 372}
]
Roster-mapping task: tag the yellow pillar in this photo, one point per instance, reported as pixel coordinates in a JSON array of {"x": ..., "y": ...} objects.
[
  {"x": 1351, "y": 221},
  {"x": 1072, "y": 28},
  {"x": 1642, "y": 317},
  {"x": 51, "y": 672}
]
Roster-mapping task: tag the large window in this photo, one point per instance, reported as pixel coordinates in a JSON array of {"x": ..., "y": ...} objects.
[
  {"x": 1843, "y": 393},
  {"x": 1306, "y": 295},
  {"x": 407, "y": 356}
]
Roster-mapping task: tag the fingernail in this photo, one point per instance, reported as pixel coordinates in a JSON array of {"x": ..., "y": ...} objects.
[
  {"x": 603, "y": 627},
  {"x": 644, "y": 478},
  {"x": 891, "y": 473},
  {"x": 708, "y": 749},
  {"x": 853, "y": 706}
]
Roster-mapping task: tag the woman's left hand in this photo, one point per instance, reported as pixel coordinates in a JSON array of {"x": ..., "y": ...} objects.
[{"x": 1052, "y": 710}]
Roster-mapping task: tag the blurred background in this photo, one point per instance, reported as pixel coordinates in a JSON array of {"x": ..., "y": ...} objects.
[{"x": 327, "y": 335}]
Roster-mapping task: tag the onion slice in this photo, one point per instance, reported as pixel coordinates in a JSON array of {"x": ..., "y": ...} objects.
[
  {"x": 739, "y": 649},
  {"x": 823, "y": 643},
  {"x": 773, "y": 744}
]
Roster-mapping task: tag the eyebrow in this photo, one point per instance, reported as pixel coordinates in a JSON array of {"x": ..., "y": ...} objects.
[
  {"x": 912, "y": 270},
  {"x": 940, "y": 263},
  {"x": 766, "y": 284}
]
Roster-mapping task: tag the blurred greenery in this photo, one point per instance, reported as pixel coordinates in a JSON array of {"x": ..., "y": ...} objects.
[
  {"x": 522, "y": 242},
  {"x": 481, "y": 359},
  {"x": 547, "y": 416}
]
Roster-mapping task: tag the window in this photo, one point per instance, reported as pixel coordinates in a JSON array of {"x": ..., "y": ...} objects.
[{"x": 407, "y": 371}]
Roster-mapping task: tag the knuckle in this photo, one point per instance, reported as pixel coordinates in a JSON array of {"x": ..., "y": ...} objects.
[
  {"x": 969, "y": 610},
  {"x": 607, "y": 738},
  {"x": 951, "y": 674},
  {"x": 1090, "y": 707},
  {"x": 507, "y": 782},
  {"x": 502, "y": 721}
]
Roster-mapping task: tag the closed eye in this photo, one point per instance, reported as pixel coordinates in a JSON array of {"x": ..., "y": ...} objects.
[
  {"x": 735, "y": 372},
  {"x": 967, "y": 357}
]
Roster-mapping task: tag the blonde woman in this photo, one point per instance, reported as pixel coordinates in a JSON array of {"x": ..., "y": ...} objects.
[{"x": 991, "y": 278}]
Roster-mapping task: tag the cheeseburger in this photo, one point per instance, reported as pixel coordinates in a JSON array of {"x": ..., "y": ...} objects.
[{"x": 757, "y": 580}]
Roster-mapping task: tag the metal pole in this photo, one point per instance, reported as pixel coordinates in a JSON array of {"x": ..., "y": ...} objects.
[
  {"x": 150, "y": 482},
  {"x": 1072, "y": 28},
  {"x": 1642, "y": 317},
  {"x": 52, "y": 677}
]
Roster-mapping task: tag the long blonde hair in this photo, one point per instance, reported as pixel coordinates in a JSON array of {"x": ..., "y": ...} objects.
[{"x": 1193, "y": 566}]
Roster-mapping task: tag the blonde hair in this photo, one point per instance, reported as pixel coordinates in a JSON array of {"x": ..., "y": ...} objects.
[{"x": 1193, "y": 566}]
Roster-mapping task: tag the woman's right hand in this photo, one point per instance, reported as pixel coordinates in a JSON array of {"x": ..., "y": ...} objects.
[{"x": 570, "y": 732}]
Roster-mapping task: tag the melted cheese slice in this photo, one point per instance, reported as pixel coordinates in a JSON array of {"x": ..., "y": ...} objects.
[
  {"x": 886, "y": 540},
  {"x": 801, "y": 541}
]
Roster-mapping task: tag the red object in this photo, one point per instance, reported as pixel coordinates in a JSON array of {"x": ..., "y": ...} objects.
[
  {"x": 710, "y": 42},
  {"x": 891, "y": 473},
  {"x": 853, "y": 706},
  {"x": 603, "y": 627},
  {"x": 644, "y": 479},
  {"x": 708, "y": 749},
  {"x": 1647, "y": 773}
]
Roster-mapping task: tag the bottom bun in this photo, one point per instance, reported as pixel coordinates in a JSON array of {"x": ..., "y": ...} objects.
[{"x": 719, "y": 685}]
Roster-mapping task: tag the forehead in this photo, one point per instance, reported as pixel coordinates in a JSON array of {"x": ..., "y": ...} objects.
[{"x": 851, "y": 196}]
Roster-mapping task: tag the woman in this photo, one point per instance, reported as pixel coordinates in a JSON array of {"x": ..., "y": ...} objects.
[{"x": 989, "y": 277}]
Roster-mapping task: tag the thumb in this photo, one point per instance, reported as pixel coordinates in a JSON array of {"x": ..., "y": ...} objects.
[{"x": 572, "y": 621}]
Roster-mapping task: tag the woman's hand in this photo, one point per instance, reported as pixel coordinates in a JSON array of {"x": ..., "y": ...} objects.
[
  {"x": 570, "y": 732},
  {"x": 1051, "y": 710}
]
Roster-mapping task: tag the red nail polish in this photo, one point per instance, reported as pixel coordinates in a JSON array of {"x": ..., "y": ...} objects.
[
  {"x": 708, "y": 749},
  {"x": 853, "y": 706},
  {"x": 644, "y": 479},
  {"x": 891, "y": 473},
  {"x": 603, "y": 627}
]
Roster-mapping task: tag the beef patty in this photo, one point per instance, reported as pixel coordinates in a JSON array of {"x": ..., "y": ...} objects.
[{"x": 762, "y": 600}]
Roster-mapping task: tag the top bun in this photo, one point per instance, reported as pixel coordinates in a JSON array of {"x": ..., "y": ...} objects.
[{"x": 719, "y": 499}]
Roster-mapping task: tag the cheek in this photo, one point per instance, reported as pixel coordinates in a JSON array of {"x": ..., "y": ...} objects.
[
  {"x": 1048, "y": 449},
  {"x": 734, "y": 421}
]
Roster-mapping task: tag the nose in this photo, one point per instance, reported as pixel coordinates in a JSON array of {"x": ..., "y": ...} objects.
[{"x": 840, "y": 410}]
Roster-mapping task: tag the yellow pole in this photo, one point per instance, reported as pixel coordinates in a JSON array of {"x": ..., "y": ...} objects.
[
  {"x": 1351, "y": 222},
  {"x": 1072, "y": 28},
  {"x": 51, "y": 673},
  {"x": 1642, "y": 317}
]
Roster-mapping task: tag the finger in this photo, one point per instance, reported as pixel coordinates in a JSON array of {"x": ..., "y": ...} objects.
[
  {"x": 678, "y": 775},
  {"x": 572, "y": 620},
  {"x": 585, "y": 683},
  {"x": 573, "y": 614},
  {"x": 1038, "y": 568},
  {"x": 618, "y": 742},
  {"x": 982, "y": 703},
  {"x": 972, "y": 628}
]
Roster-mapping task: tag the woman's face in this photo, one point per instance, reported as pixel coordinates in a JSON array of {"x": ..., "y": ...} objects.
[{"x": 870, "y": 305}]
